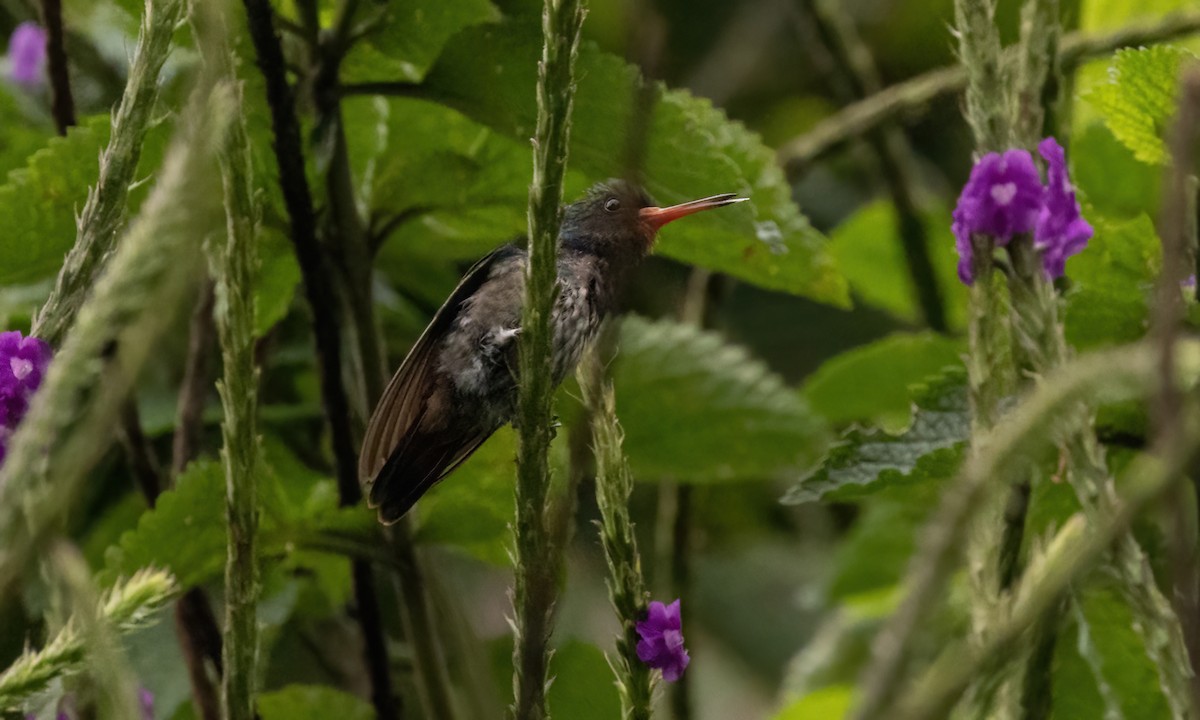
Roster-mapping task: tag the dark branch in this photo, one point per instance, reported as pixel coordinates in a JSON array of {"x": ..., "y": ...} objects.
[
  {"x": 193, "y": 390},
  {"x": 854, "y": 76},
  {"x": 62, "y": 104},
  {"x": 897, "y": 100},
  {"x": 297, "y": 197}
]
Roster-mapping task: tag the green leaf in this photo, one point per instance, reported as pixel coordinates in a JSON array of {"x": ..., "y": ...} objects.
[
  {"x": 411, "y": 37},
  {"x": 471, "y": 510},
  {"x": 275, "y": 280},
  {"x": 194, "y": 509},
  {"x": 1112, "y": 648},
  {"x": 869, "y": 253},
  {"x": 871, "y": 382},
  {"x": 830, "y": 702},
  {"x": 583, "y": 687},
  {"x": 1073, "y": 689},
  {"x": 312, "y": 702},
  {"x": 1111, "y": 284},
  {"x": 1109, "y": 178},
  {"x": 874, "y": 554},
  {"x": 1110, "y": 14},
  {"x": 21, "y": 136},
  {"x": 869, "y": 460},
  {"x": 489, "y": 72},
  {"x": 697, "y": 409},
  {"x": 456, "y": 188},
  {"x": 39, "y": 202},
  {"x": 1139, "y": 99}
]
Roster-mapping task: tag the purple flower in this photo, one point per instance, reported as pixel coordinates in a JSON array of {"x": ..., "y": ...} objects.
[
  {"x": 661, "y": 645},
  {"x": 27, "y": 54},
  {"x": 147, "y": 700},
  {"x": 1001, "y": 198},
  {"x": 1004, "y": 197},
  {"x": 23, "y": 362},
  {"x": 1061, "y": 231}
]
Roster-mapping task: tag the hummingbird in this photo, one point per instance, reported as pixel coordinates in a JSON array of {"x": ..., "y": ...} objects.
[{"x": 458, "y": 384}]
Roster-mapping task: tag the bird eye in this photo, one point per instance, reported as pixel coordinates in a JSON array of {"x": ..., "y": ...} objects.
[{"x": 612, "y": 205}]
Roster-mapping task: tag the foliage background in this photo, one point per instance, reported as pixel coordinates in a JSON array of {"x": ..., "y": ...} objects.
[{"x": 800, "y": 346}]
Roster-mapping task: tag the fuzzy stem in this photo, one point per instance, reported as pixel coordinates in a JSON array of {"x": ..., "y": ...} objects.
[
  {"x": 1124, "y": 372},
  {"x": 987, "y": 364},
  {"x": 1078, "y": 546},
  {"x": 107, "y": 667},
  {"x": 129, "y": 605},
  {"x": 104, "y": 212},
  {"x": 232, "y": 263},
  {"x": 1036, "y": 58},
  {"x": 322, "y": 299},
  {"x": 1178, "y": 232},
  {"x": 626, "y": 586},
  {"x": 908, "y": 97},
  {"x": 1039, "y": 347},
  {"x": 67, "y": 427},
  {"x": 534, "y": 587}
]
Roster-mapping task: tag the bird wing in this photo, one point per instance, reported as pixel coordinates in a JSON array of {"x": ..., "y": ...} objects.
[{"x": 404, "y": 400}]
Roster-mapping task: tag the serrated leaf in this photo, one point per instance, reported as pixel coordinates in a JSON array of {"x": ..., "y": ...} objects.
[
  {"x": 1139, "y": 99},
  {"x": 312, "y": 702},
  {"x": 39, "y": 202},
  {"x": 1111, "y": 284},
  {"x": 489, "y": 73},
  {"x": 411, "y": 37},
  {"x": 869, "y": 460},
  {"x": 184, "y": 533},
  {"x": 870, "y": 255},
  {"x": 871, "y": 382},
  {"x": 698, "y": 409}
]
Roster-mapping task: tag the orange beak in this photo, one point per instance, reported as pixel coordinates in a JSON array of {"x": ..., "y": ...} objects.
[{"x": 656, "y": 217}]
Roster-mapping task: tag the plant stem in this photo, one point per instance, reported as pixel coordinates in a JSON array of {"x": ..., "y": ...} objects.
[
  {"x": 907, "y": 97},
  {"x": 322, "y": 299},
  {"x": 987, "y": 363},
  {"x": 66, "y": 428},
  {"x": 193, "y": 388},
  {"x": 614, "y": 485},
  {"x": 346, "y": 238},
  {"x": 536, "y": 578},
  {"x": 104, "y": 212},
  {"x": 1177, "y": 230},
  {"x": 233, "y": 263},
  {"x": 1119, "y": 373},
  {"x": 62, "y": 104},
  {"x": 1039, "y": 347},
  {"x": 859, "y": 78},
  {"x": 129, "y": 605},
  {"x": 1078, "y": 546}
]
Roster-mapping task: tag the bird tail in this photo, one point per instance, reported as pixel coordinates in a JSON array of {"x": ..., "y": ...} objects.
[{"x": 417, "y": 465}]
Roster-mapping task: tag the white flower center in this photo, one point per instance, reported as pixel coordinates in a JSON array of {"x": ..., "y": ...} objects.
[
  {"x": 1004, "y": 194},
  {"x": 20, "y": 368}
]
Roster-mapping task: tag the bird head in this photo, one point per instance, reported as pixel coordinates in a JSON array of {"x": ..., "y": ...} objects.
[{"x": 618, "y": 217}]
